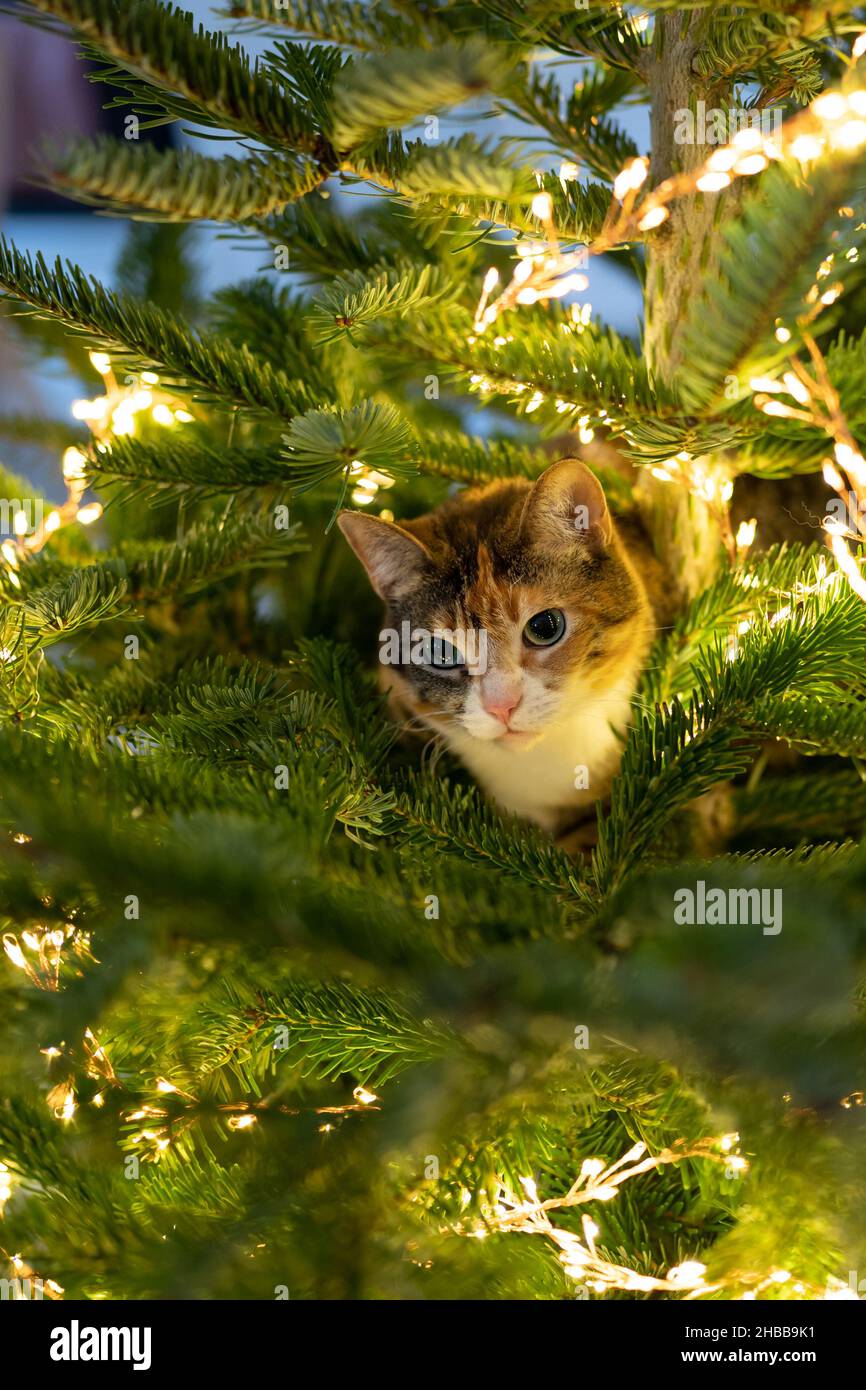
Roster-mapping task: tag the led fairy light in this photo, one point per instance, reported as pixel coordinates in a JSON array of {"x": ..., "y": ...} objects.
[
  {"x": 599, "y": 1181},
  {"x": 5, "y": 1186},
  {"x": 21, "y": 1270},
  {"x": 834, "y": 121},
  {"x": 367, "y": 482},
  {"x": 112, "y": 415},
  {"x": 711, "y": 483},
  {"x": 543, "y": 270},
  {"x": 818, "y": 405},
  {"x": 525, "y": 1213}
]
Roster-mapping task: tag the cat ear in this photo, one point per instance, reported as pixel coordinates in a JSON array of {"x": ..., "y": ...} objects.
[
  {"x": 567, "y": 505},
  {"x": 394, "y": 559}
]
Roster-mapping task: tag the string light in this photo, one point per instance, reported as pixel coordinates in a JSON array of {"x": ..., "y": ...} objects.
[
  {"x": 599, "y": 1181},
  {"x": 108, "y": 416}
]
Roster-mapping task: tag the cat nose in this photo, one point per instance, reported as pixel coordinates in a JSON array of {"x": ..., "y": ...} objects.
[{"x": 501, "y": 701}]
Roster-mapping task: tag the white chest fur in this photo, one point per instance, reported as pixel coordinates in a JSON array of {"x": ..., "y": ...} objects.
[{"x": 568, "y": 767}]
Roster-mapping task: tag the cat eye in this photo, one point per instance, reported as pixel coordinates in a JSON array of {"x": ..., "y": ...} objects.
[
  {"x": 445, "y": 657},
  {"x": 545, "y": 629}
]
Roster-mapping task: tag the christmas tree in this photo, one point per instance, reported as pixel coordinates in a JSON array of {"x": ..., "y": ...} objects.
[{"x": 289, "y": 1009}]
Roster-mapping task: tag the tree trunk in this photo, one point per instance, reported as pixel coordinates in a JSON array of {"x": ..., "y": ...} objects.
[{"x": 679, "y": 255}]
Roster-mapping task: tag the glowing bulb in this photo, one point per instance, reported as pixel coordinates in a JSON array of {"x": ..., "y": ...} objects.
[
  {"x": 723, "y": 159},
  {"x": 101, "y": 362},
  {"x": 542, "y": 207},
  {"x": 74, "y": 464},
  {"x": 806, "y": 148},
  {"x": 162, "y": 415},
  {"x": 90, "y": 410},
  {"x": 689, "y": 1272},
  {"x": 630, "y": 178},
  {"x": 87, "y": 515},
  {"x": 830, "y": 106},
  {"x": 748, "y": 139},
  {"x": 851, "y": 135},
  {"x": 183, "y": 417},
  {"x": 14, "y": 952},
  {"x": 122, "y": 421},
  {"x": 654, "y": 218},
  {"x": 752, "y": 164},
  {"x": 796, "y": 388},
  {"x": 713, "y": 183}
]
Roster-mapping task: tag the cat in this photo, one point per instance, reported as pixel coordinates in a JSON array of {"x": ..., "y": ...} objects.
[{"x": 563, "y": 597}]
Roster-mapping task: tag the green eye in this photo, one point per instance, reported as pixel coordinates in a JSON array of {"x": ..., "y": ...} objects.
[
  {"x": 545, "y": 629},
  {"x": 444, "y": 656}
]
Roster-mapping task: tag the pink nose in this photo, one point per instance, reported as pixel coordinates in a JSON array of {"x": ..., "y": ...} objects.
[{"x": 500, "y": 705}]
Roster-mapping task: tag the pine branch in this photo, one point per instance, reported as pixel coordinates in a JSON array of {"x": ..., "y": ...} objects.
[
  {"x": 555, "y": 366},
  {"x": 367, "y": 28},
  {"x": 56, "y": 602},
  {"x": 596, "y": 31},
  {"x": 169, "y": 70},
  {"x": 772, "y": 48},
  {"x": 208, "y": 553},
  {"x": 387, "y": 91},
  {"x": 51, "y": 434},
  {"x": 453, "y": 820},
  {"x": 679, "y": 752},
  {"x": 324, "y": 1030},
  {"x": 815, "y": 726},
  {"x": 764, "y": 584},
  {"x": 148, "y": 335},
  {"x": 354, "y": 300},
  {"x": 832, "y": 803},
  {"x": 775, "y": 452},
  {"x": 327, "y": 443},
  {"x": 138, "y": 180},
  {"x": 180, "y": 465},
  {"x": 479, "y": 182},
  {"x": 760, "y": 279},
  {"x": 578, "y": 125}
]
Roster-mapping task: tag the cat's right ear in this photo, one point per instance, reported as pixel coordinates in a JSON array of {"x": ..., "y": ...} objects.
[{"x": 394, "y": 560}]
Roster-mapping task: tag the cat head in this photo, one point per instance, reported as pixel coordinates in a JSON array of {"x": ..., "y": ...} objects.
[{"x": 505, "y": 605}]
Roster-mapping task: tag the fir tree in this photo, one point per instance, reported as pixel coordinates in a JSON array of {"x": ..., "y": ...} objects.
[{"x": 286, "y": 1011}]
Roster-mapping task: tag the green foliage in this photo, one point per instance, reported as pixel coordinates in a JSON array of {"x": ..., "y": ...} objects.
[
  {"x": 177, "y": 186},
  {"x": 321, "y": 988},
  {"x": 390, "y": 90},
  {"x": 763, "y": 276}
]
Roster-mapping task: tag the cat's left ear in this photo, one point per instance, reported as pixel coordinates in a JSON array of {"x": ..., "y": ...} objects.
[
  {"x": 394, "y": 559},
  {"x": 567, "y": 505}
]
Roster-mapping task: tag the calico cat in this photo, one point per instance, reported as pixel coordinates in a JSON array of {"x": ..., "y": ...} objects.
[{"x": 564, "y": 599}]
